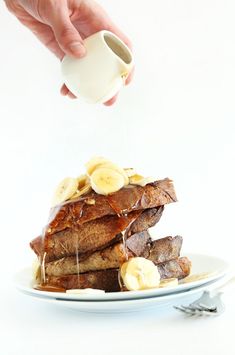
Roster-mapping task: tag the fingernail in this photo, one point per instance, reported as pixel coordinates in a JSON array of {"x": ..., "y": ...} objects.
[{"x": 77, "y": 48}]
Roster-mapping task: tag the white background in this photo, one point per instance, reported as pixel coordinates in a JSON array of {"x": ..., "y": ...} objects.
[{"x": 176, "y": 119}]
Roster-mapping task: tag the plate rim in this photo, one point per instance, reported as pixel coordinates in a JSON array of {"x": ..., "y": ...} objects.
[
  {"x": 130, "y": 295},
  {"x": 136, "y": 305}
]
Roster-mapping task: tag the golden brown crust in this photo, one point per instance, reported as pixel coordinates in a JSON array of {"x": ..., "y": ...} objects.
[
  {"x": 139, "y": 244},
  {"x": 94, "y": 235},
  {"x": 178, "y": 268},
  {"x": 108, "y": 279},
  {"x": 104, "y": 280},
  {"x": 165, "y": 249},
  {"x": 108, "y": 258},
  {"x": 123, "y": 201},
  {"x": 89, "y": 237}
]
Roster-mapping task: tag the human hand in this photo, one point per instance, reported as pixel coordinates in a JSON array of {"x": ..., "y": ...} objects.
[{"x": 61, "y": 25}]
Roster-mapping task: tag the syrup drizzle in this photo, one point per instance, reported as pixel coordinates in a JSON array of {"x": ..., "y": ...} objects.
[
  {"x": 69, "y": 213},
  {"x": 123, "y": 233},
  {"x": 131, "y": 204},
  {"x": 76, "y": 213},
  {"x": 49, "y": 288},
  {"x": 77, "y": 261},
  {"x": 43, "y": 271}
]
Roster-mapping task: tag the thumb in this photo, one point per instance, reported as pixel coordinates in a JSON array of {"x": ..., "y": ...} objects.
[{"x": 66, "y": 34}]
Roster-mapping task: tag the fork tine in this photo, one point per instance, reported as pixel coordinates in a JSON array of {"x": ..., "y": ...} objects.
[
  {"x": 185, "y": 310},
  {"x": 207, "y": 309},
  {"x": 189, "y": 308},
  {"x": 192, "y": 310},
  {"x": 205, "y": 305},
  {"x": 180, "y": 309},
  {"x": 196, "y": 309}
]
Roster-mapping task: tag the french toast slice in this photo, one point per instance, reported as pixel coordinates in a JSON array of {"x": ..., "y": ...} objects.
[
  {"x": 139, "y": 244},
  {"x": 94, "y": 235},
  {"x": 108, "y": 280},
  {"x": 94, "y": 206},
  {"x": 109, "y": 258}
]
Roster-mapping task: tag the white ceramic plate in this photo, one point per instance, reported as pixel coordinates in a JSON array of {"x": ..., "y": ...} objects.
[
  {"x": 160, "y": 303},
  {"x": 214, "y": 266}
]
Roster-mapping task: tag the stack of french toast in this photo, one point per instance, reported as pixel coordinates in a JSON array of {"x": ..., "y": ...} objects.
[{"x": 98, "y": 223}]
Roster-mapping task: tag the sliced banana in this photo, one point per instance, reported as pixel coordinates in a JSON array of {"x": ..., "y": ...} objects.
[
  {"x": 140, "y": 274},
  {"x": 100, "y": 162},
  {"x": 65, "y": 190},
  {"x": 115, "y": 167},
  {"x": 140, "y": 180},
  {"x": 94, "y": 163},
  {"x": 130, "y": 172},
  {"x": 84, "y": 190},
  {"x": 82, "y": 180},
  {"x": 123, "y": 269},
  {"x": 84, "y": 291},
  {"x": 105, "y": 181},
  {"x": 169, "y": 282}
]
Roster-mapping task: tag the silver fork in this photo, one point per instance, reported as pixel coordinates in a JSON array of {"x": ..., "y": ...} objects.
[{"x": 206, "y": 304}]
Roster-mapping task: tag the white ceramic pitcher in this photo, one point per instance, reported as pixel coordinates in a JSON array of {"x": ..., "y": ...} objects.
[{"x": 101, "y": 73}]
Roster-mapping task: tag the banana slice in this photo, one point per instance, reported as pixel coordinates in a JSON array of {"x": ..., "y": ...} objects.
[
  {"x": 65, "y": 190},
  {"x": 84, "y": 190},
  {"x": 100, "y": 162},
  {"x": 169, "y": 282},
  {"x": 83, "y": 180},
  {"x": 130, "y": 172},
  {"x": 94, "y": 163},
  {"x": 140, "y": 274},
  {"x": 105, "y": 181},
  {"x": 140, "y": 180},
  {"x": 115, "y": 167}
]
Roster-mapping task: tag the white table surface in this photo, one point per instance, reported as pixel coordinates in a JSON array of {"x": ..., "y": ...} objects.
[{"x": 32, "y": 327}]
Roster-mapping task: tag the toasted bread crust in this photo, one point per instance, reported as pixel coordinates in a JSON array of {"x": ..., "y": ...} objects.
[
  {"x": 178, "y": 268},
  {"x": 94, "y": 235},
  {"x": 108, "y": 258},
  {"x": 159, "y": 251},
  {"x": 165, "y": 249},
  {"x": 105, "y": 280},
  {"x": 126, "y": 200},
  {"x": 108, "y": 279}
]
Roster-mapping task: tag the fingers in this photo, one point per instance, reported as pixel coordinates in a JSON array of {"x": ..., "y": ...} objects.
[
  {"x": 65, "y": 33},
  {"x": 121, "y": 35},
  {"x": 111, "y": 101},
  {"x": 71, "y": 96},
  {"x": 65, "y": 92},
  {"x": 45, "y": 34},
  {"x": 41, "y": 30}
]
